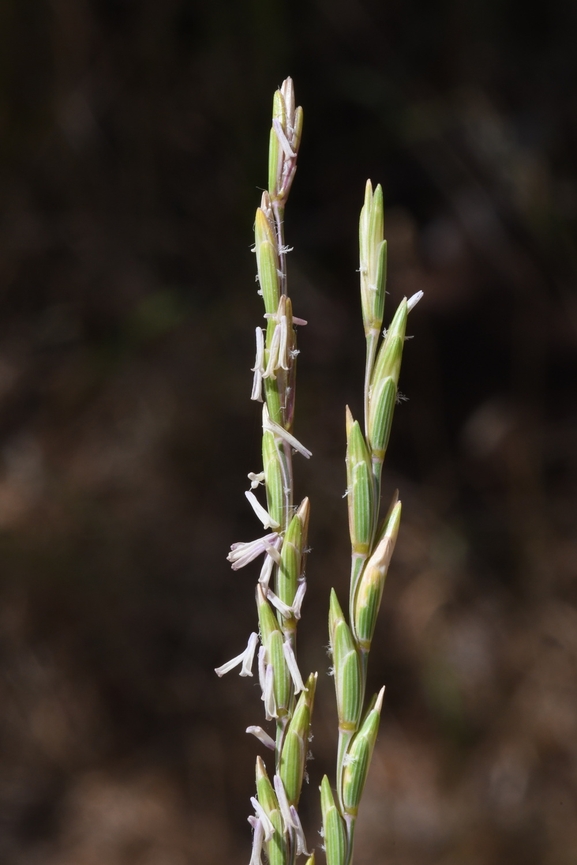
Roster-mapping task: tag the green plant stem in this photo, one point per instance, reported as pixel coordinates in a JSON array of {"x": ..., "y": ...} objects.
[
  {"x": 351, "y": 823},
  {"x": 345, "y": 737},
  {"x": 372, "y": 342}
]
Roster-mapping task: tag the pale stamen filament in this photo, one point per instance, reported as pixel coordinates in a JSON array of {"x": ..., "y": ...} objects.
[
  {"x": 293, "y": 668},
  {"x": 257, "y": 839},
  {"x": 283, "y": 801},
  {"x": 283, "y": 140},
  {"x": 301, "y": 840},
  {"x": 283, "y": 608},
  {"x": 298, "y": 601},
  {"x": 283, "y": 348},
  {"x": 261, "y": 814},
  {"x": 277, "y": 429},
  {"x": 262, "y": 669},
  {"x": 269, "y": 700},
  {"x": 266, "y": 572},
  {"x": 245, "y": 658},
  {"x": 244, "y": 552},
  {"x": 262, "y": 736},
  {"x": 273, "y": 353},
  {"x": 267, "y": 521},
  {"x": 259, "y": 358}
]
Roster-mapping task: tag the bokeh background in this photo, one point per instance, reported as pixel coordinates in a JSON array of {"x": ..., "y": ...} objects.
[{"x": 133, "y": 144}]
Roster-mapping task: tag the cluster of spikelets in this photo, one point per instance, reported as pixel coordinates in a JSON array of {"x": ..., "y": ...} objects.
[
  {"x": 372, "y": 540},
  {"x": 288, "y": 700}
]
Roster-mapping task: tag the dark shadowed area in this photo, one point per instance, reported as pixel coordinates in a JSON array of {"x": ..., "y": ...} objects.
[{"x": 133, "y": 145}]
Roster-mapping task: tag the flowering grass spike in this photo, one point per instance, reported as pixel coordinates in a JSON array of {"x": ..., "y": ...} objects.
[
  {"x": 372, "y": 543},
  {"x": 281, "y": 586},
  {"x": 288, "y": 699}
]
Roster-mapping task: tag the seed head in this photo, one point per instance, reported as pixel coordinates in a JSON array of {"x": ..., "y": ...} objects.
[{"x": 285, "y": 138}]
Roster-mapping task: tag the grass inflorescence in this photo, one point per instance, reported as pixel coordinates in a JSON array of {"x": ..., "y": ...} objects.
[{"x": 288, "y": 698}]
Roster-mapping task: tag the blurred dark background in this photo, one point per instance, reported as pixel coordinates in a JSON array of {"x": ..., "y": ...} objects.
[{"x": 133, "y": 144}]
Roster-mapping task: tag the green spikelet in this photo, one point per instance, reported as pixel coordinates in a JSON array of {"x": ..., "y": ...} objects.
[
  {"x": 346, "y": 667},
  {"x": 372, "y": 581},
  {"x": 360, "y": 489},
  {"x": 333, "y": 827},
  {"x": 272, "y": 640},
  {"x": 292, "y": 554},
  {"x": 295, "y": 747},
  {"x": 359, "y": 757}
]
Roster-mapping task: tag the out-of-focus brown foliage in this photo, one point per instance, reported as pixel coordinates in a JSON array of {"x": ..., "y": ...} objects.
[{"x": 133, "y": 139}]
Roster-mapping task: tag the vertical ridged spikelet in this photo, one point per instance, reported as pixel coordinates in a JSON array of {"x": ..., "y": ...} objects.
[
  {"x": 268, "y": 268},
  {"x": 347, "y": 669},
  {"x": 275, "y": 150},
  {"x": 271, "y": 462},
  {"x": 371, "y": 584},
  {"x": 383, "y": 388},
  {"x": 296, "y": 743},
  {"x": 381, "y": 409},
  {"x": 276, "y": 847},
  {"x": 373, "y": 270},
  {"x": 273, "y": 400},
  {"x": 373, "y": 256},
  {"x": 333, "y": 827},
  {"x": 359, "y": 757},
  {"x": 293, "y": 554},
  {"x": 284, "y": 142},
  {"x": 360, "y": 489},
  {"x": 266, "y": 261},
  {"x": 272, "y": 640},
  {"x": 264, "y": 789},
  {"x": 388, "y": 361}
]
